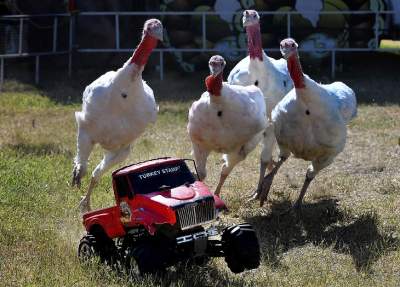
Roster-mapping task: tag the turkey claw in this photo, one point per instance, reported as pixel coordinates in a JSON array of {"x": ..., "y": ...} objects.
[
  {"x": 265, "y": 187},
  {"x": 253, "y": 195},
  {"x": 76, "y": 177}
]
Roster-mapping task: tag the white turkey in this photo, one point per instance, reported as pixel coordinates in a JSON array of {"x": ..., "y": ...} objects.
[
  {"x": 227, "y": 119},
  {"x": 310, "y": 121},
  {"x": 269, "y": 74},
  {"x": 116, "y": 109}
]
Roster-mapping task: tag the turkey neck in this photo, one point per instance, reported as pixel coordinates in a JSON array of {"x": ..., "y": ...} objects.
[
  {"x": 214, "y": 84},
  {"x": 143, "y": 50},
  {"x": 254, "y": 41},
  {"x": 295, "y": 70}
]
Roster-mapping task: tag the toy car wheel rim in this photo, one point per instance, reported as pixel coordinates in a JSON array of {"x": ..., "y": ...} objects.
[
  {"x": 86, "y": 252},
  {"x": 241, "y": 248}
]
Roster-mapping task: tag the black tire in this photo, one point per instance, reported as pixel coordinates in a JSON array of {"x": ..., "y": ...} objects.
[
  {"x": 86, "y": 249},
  {"x": 241, "y": 248},
  {"x": 145, "y": 258},
  {"x": 107, "y": 251},
  {"x": 92, "y": 246}
]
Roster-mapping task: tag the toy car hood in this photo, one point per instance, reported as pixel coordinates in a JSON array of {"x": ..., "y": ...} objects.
[{"x": 184, "y": 194}]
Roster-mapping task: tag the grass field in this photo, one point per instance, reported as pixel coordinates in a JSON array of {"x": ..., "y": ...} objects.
[{"x": 348, "y": 234}]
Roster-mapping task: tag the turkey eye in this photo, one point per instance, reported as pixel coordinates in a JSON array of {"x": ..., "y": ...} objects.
[
  {"x": 293, "y": 45},
  {"x": 124, "y": 95},
  {"x": 307, "y": 112},
  {"x": 219, "y": 113},
  {"x": 256, "y": 83},
  {"x": 284, "y": 84}
]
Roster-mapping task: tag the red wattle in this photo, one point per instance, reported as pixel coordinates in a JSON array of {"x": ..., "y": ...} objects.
[
  {"x": 143, "y": 50},
  {"x": 254, "y": 41},
  {"x": 214, "y": 84},
  {"x": 295, "y": 71}
]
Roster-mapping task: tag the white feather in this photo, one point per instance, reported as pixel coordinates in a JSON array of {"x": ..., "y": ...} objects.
[
  {"x": 111, "y": 119},
  {"x": 270, "y": 74},
  {"x": 242, "y": 117},
  {"x": 231, "y": 123},
  {"x": 311, "y": 122}
]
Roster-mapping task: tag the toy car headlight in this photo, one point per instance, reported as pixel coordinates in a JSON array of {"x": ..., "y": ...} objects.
[{"x": 126, "y": 213}]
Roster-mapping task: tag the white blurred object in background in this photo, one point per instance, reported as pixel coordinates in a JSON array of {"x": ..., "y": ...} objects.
[{"x": 310, "y": 10}]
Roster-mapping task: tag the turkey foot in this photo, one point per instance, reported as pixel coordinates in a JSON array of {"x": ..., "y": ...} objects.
[
  {"x": 254, "y": 195},
  {"x": 76, "y": 177},
  {"x": 298, "y": 204},
  {"x": 262, "y": 192},
  {"x": 265, "y": 187}
]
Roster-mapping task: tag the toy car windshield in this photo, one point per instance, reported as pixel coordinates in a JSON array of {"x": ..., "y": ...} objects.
[{"x": 163, "y": 177}]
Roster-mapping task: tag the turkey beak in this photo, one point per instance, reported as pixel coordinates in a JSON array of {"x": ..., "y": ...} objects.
[
  {"x": 245, "y": 19},
  {"x": 284, "y": 51},
  {"x": 216, "y": 67},
  {"x": 287, "y": 49},
  {"x": 158, "y": 33},
  {"x": 250, "y": 17},
  {"x": 154, "y": 28}
]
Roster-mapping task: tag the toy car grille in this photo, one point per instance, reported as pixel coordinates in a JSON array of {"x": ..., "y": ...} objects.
[{"x": 196, "y": 213}]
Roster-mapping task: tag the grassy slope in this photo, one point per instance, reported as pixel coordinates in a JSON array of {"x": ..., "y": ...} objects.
[{"x": 348, "y": 234}]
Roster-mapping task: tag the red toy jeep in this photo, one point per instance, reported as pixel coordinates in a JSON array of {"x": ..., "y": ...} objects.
[{"x": 164, "y": 215}]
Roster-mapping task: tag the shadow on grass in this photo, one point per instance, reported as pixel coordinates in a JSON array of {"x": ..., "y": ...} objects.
[
  {"x": 324, "y": 224},
  {"x": 198, "y": 276},
  {"x": 184, "y": 275},
  {"x": 41, "y": 149}
]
